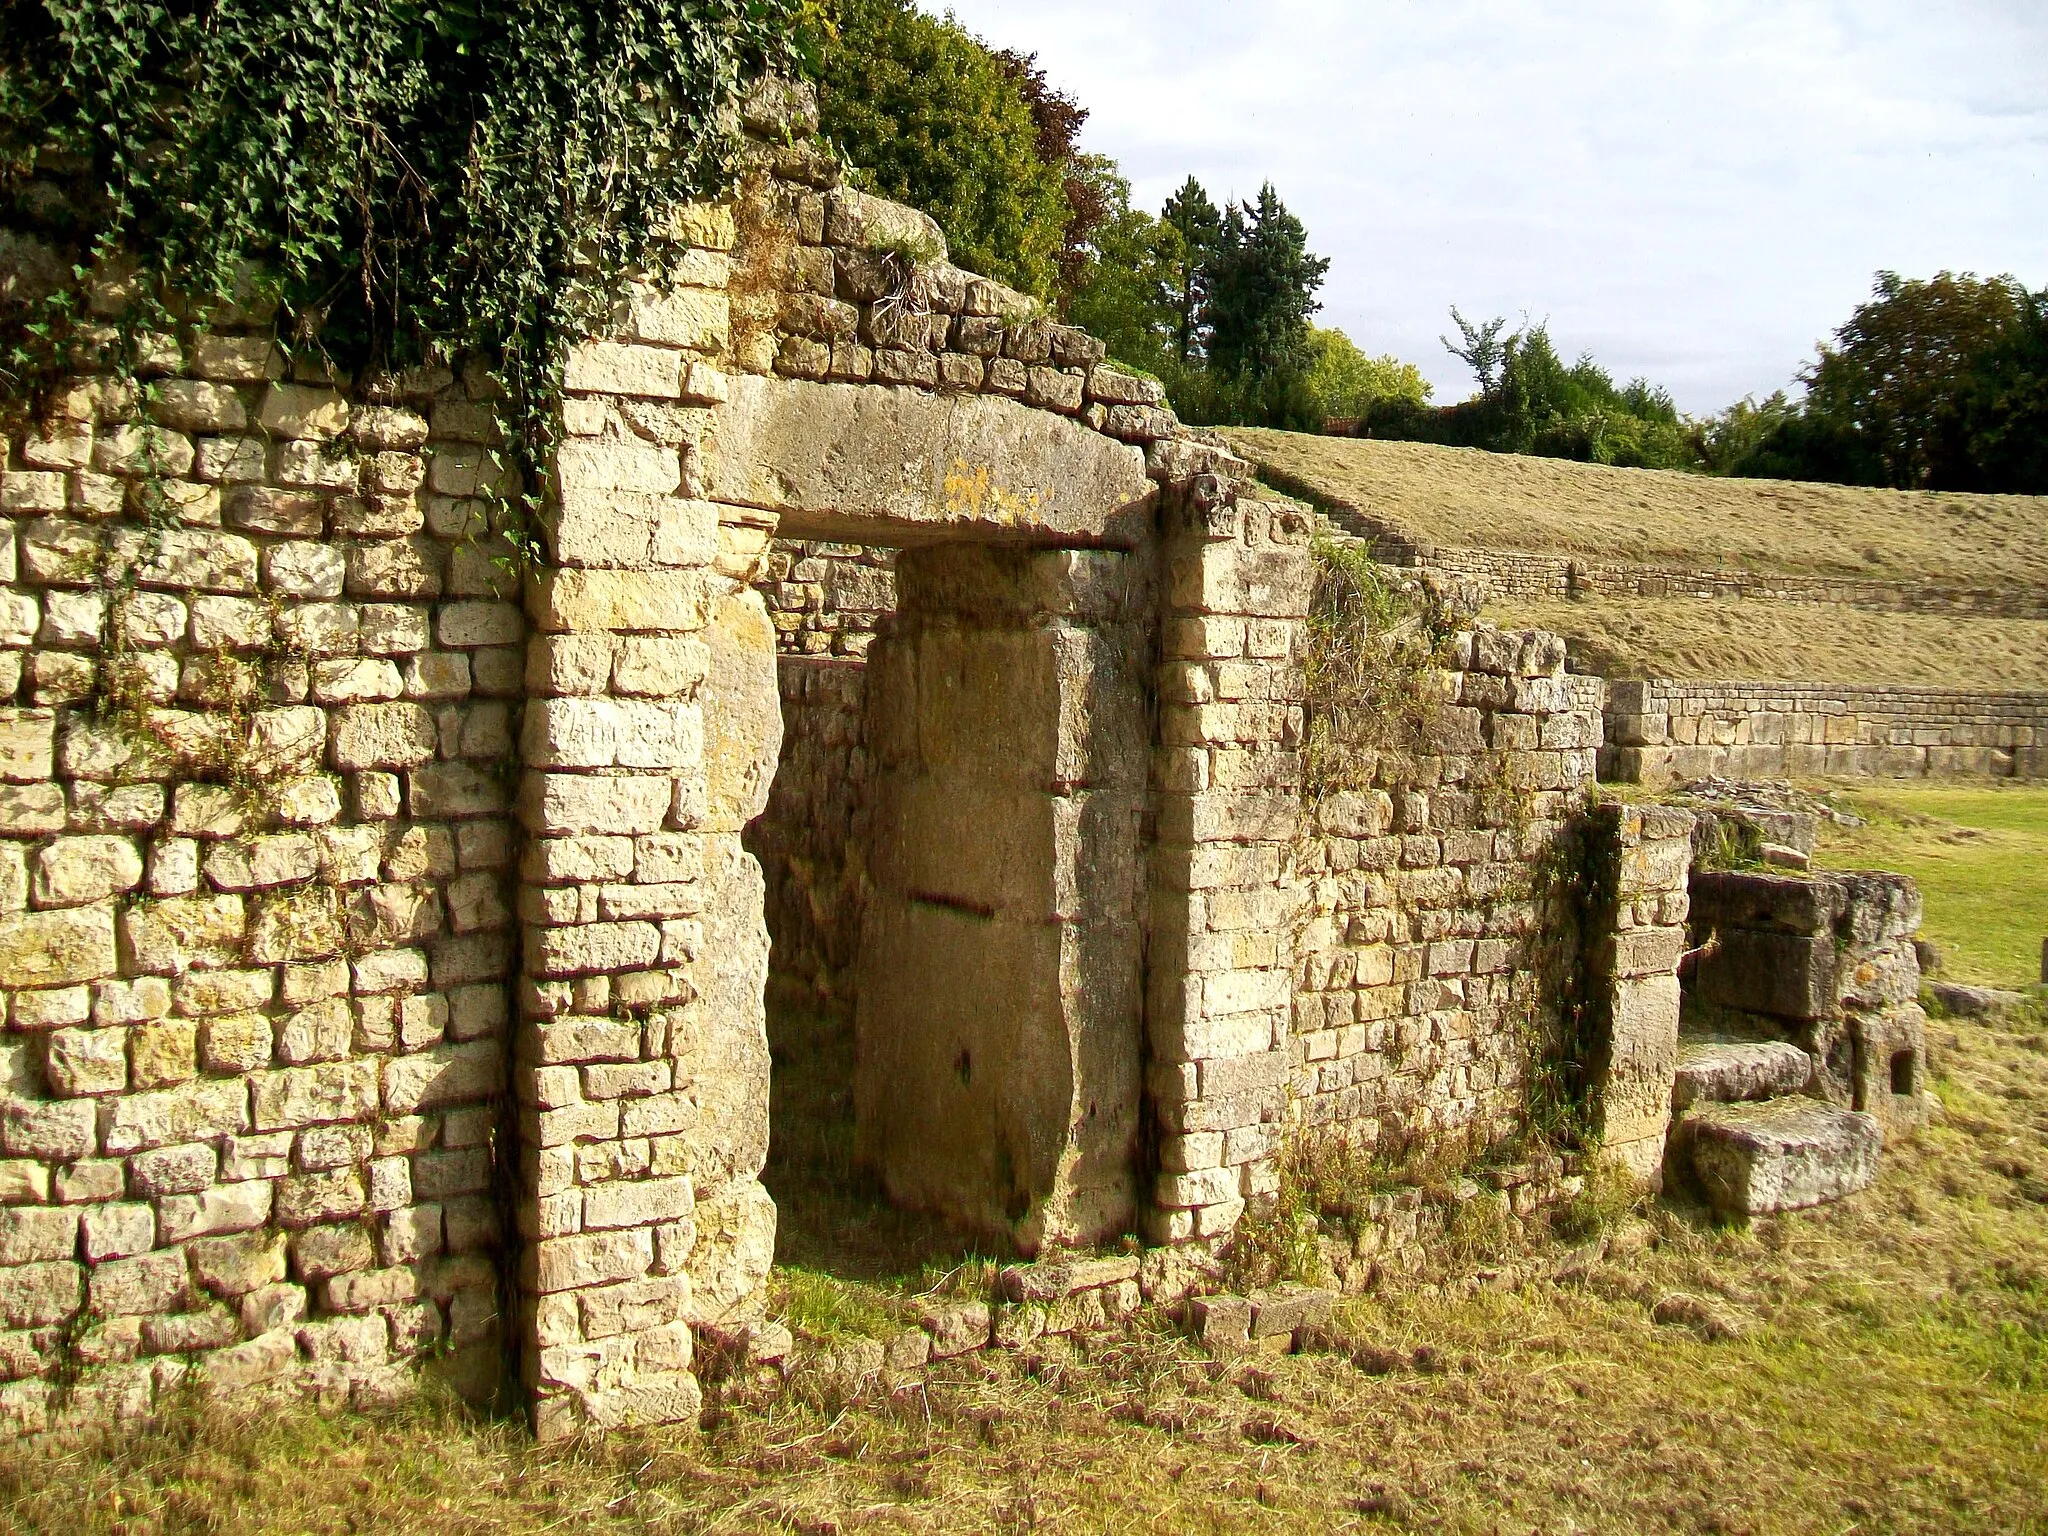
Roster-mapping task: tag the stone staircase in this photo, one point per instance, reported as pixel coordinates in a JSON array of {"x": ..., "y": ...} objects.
[
  {"x": 1749, "y": 1134},
  {"x": 1801, "y": 1047}
]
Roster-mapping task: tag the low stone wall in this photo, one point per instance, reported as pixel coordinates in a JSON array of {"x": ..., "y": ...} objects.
[
  {"x": 828, "y": 599},
  {"x": 1660, "y": 731},
  {"x": 1507, "y": 574}
]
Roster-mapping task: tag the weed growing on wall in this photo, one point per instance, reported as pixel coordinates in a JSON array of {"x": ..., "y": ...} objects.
[{"x": 1371, "y": 667}]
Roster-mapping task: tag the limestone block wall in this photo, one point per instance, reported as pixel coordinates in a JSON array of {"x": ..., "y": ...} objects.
[
  {"x": 651, "y": 734},
  {"x": 1226, "y": 782},
  {"x": 828, "y": 599},
  {"x": 1439, "y": 935},
  {"x": 811, "y": 840},
  {"x": 260, "y": 695},
  {"x": 1660, "y": 731},
  {"x": 383, "y": 944},
  {"x": 1637, "y": 862}
]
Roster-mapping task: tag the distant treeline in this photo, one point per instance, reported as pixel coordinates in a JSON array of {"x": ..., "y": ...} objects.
[{"x": 1936, "y": 385}]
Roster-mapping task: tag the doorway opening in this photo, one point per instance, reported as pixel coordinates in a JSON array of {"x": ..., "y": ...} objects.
[{"x": 955, "y": 882}]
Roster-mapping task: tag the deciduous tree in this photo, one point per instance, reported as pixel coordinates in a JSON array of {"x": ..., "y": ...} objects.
[{"x": 934, "y": 118}]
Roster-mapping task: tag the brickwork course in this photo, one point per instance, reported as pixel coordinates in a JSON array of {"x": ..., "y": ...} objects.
[{"x": 384, "y": 935}]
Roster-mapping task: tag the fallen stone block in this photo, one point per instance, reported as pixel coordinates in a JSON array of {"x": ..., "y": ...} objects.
[
  {"x": 1285, "y": 1308},
  {"x": 1056, "y": 1279},
  {"x": 1785, "y": 1155},
  {"x": 1965, "y": 1002},
  {"x": 1222, "y": 1323}
]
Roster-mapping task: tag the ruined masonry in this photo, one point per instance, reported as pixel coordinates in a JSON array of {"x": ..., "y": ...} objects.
[{"x": 384, "y": 941}]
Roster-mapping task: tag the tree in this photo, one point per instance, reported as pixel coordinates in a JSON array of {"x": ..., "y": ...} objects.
[
  {"x": 1897, "y": 373},
  {"x": 1532, "y": 401},
  {"x": 1483, "y": 351},
  {"x": 1344, "y": 382},
  {"x": 934, "y": 118},
  {"x": 1192, "y": 217},
  {"x": 1262, "y": 285},
  {"x": 1938, "y": 384},
  {"x": 1060, "y": 119},
  {"x": 2002, "y": 412},
  {"x": 1124, "y": 290}
]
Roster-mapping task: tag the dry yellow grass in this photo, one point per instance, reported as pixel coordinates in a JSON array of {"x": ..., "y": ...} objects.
[
  {"x": 1880, "y": 1366},
  {"x": 1466, "y": 498},
  {"x": 1757, "y": 641}
]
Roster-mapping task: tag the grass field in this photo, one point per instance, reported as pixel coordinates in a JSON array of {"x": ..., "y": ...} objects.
[
  {"x": 1464, "y": 497},
  {"x": 1880, "y": 1366},
  {"x": 1789, "y": 642},
  {"x": 1980, "y": 854}
]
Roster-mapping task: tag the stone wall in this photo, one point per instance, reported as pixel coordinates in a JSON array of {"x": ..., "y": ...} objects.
[
  {"x": 811, "y": 840},
  {"x": 1440, "y": 932},
  {"x": 283, "y": 768},
  {"x": 255, "y": 903},
  {"x": 828, "y": 599},
  {"x": 1657, "y": 732},
  {"x": 1638, "y": 860}
]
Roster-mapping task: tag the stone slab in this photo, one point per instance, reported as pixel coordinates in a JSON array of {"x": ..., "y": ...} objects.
[
  {"x": 1785, "y": 1155},
  {"x": 867, "y": 465},
  {"x": 1731, "y": 1071}
]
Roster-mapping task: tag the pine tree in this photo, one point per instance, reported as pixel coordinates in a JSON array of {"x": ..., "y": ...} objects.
[
  {"x": 1261, "y": 289},
  {"x": 1200, "y": 226}
]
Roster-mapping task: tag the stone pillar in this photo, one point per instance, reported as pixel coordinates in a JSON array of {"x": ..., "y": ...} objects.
[
  {"x": 1637, "y": 860},
  {"x": 1226, "y": 786},
  {"x": 1000, "y": 980},
  {"x": 650, "y": 735}
]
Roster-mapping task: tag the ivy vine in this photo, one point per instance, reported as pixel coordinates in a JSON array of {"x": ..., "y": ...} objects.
[{"x": 397, "y": 181}]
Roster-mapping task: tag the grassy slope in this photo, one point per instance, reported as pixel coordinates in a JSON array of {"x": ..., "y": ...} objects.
[
  {"x": 1887, "y": 1371},
  {"x": 1761, "y": 641},
  {"x": 1981, "y": 858},
  {"x": 1465, "y": 497}
]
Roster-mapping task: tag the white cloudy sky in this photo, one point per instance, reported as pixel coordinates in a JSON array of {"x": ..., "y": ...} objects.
[{"x": 1694, "y": 190}]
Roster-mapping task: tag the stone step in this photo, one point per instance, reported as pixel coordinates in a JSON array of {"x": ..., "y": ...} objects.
[
  {"x": 1781, "y": 1155},
  {"x": 1714, "y": 1071}
]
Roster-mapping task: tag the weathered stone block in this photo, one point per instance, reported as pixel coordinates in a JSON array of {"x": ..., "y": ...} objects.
[
  {"x": 329, "y": 1093},
  {"x": 635, "y": 1204},
  {"x": 170, "y": 937},
  {"x": 236, "y": 1266},
  {"x": 369, "y": 736},
  {"x": 139, "y": 1287},
  {"x": 228, "y": 1208},
  {"x": 193, "y": 1112},
  {"x": 301, "y": 411},
  {"x": 1784, "y": 1155},
  {"x": 83, "y": 1062},
  {"x": 449, "y": 1074},
  {"x": 32, "y": 1236},
  {"x": 56, "y": 949},
  {"x": 601, "y": 1258},
  {"x": 59, "y": 1132}
]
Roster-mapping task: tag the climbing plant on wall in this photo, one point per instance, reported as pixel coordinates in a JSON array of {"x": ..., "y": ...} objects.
[{"x": 402, "y": 179}]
